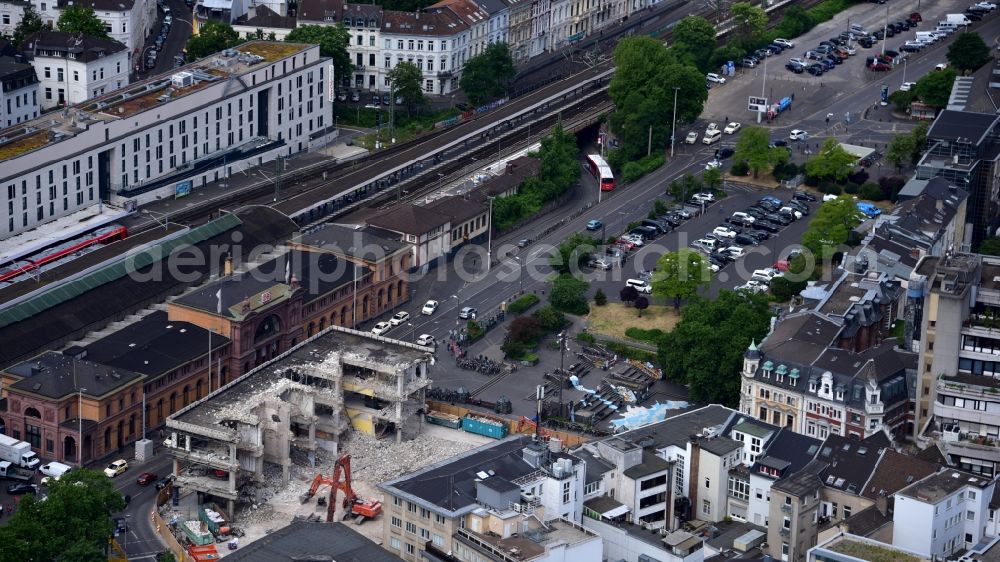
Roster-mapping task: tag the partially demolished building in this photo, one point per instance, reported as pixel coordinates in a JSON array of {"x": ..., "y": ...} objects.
[{"x": 304, "y": 399}]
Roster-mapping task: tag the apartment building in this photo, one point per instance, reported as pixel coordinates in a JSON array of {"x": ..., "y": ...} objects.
[
  {"x": 541, "y": 23},
  {"x": 499, "y": 25},
  {"x": 957, "y": 406},
  {"x": 164, "y": 136},
  {"x": 847, "y": 546},
  {"x": 125, "y": 21},
  {"x": 18, "y": 92},
  {"x": 11, "y": 12},
  {"x": 519, "y": 29},
  {"x": 57, "y": 402},
  {"x": 73, "y": 69},
  {"x": 438, "y": 42},
  {"x": 750, "y": 490},
  {"x": 962, "y": 149},
  {"x": 516, "y": 495},
  {"x": 477, "y": 19},
  {"x": 831, "y": 370},
  {"x": 794, "y": 511},
  {"x": 943, "y": 514}
]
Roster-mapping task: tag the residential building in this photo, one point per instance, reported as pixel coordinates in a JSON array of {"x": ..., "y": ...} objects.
[
  {"x": 225, "y": 11},
  {"x": 312, "y": 540},
  {"x": 302, "y": 400},
  {"x": 519, "y": 29},
  {"x": 541, "y": 19},
  {"x": 943, "y": 514},
  {"x": 163, "y": 136},
  {"x": 11, "y": 12},
  {"x": 499, "y": 24},
  {"x": 831, "y": 370},
  {"x": 517, "y": 495},
  {"x": 475, "y": 17},
  {"x": 957, "y": 406},
  {"x": 172, "y": 355},
  {"x": 53, "y": 399},
  {"x": 125, "y": 21},
  {"x": 785, "y": 454},
  {"x": 850, "y": 464},
  {"x": 963, "y": 147},
  {"x": 794, "y": 514},
  {"x": 559, "y": 24},
  {"x": 73, "y": 69},
  {"x": 262, "y": 19},
  {"x": 19, "y": 92},
  {"x": 633, "y": 543},
  {"x": 847, "y": 546},
  {"x": 437, "y": 42}
]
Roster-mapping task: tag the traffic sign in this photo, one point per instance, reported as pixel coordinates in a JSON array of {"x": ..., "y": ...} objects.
[{"x": 758, "y": 105}]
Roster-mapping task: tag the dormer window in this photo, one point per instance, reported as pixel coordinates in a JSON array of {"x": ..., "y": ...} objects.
[
  {"x": 767, "y": 368},
  {"x": 840, "y": 393},
  {"x": 781, "y": 372},
  {"x": 812, "y": 385}
]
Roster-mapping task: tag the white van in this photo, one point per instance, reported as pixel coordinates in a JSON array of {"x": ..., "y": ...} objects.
[
  {"x": 712, "y": 137},
  {"x": 639, "y": 285},
  {"x": 55, "y": 469},
  {"x": 709, "y": 244},
  {"x": 926, "y": 37},
  {"x": 958, "y": 19}
]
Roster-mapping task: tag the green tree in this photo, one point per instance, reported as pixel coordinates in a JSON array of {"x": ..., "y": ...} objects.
[
  {"x": 796, "y": 21},
  {"x": 680, "y": 274},
  {"x": 30, "y": 23},
  {"x": 695, "y": 37},
  {"x": 569, "y": 295},
  {"x": 643, "y": 93},
  {"x": 749, "y": 22},
  {"x": 405, "y": 79},
  {"x": 332, "y": 40},
  {"x": 73, "y": 523},
  {"x": 81, "y": 20},
  {"x": 900, "y": 150},
  {"x": 212, "y": 37},
  {"x": 571, "y": 254},
  {"x": 705, "y": 349},
  {"x": 831, "y": 226},
  {"x": 830, "y": 162},
  {"x": 166, "y": 556},
  {"x": 935, "y": 87},
  {"x": 919, "y": 134},
  {"x": 754, "y": 148},
  {"x": 558, "y": 172},
  {"x": 487, "y": 75},
  {"x": 600, "y": 299},
  {"x": 783, "y": 288},
  {"x": 968, "y": 52},
  {"x": 641, "y": 303},
  {"x": 712, "y": 178},
  {"x": 990, "y": 246}
]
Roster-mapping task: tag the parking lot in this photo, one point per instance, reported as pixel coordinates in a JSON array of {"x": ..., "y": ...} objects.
[{"x": 728, "y": 102}]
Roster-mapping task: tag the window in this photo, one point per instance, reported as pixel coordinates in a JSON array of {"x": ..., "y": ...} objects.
[
  {"x": 847, "y": 511},
  {"x": 411, "y": 528},
  {"x": 970, "y": 515},
  {"x": 425, "y": 534},
  {"x": 395, "y": 543},
  {"x": 739, "y": 488},
  {"x": 708, "y": 483},
  {"x": 397, "y": 522},
  {"x": 438, "y": 540},
  {"x": 439, "y": 519},
  {"x": 565, "y": 492},
  {"x": 410, "y": 549},
  {"x": 786, "y": 523},
  {"x": 396, "y": 501},
  {"x": 706, "y": 507},
  {"x": 972, "y": 494}
]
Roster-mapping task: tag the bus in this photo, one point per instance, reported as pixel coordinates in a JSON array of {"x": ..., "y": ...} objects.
[
  {"x": 600, "y": 170},
  {"x": 64, "y": 249}
]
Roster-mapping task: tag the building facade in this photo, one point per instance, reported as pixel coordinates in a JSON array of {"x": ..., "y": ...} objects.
[
  {"x": 165, "y": 136},
  {"x": 72, "y": 70},
  {"x": 943, "y": 514},
  {"x": 18, "y": 92},
  {"x": 125, "y": 21}
]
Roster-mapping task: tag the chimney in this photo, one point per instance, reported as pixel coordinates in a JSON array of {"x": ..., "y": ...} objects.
[
  {"x": 227, "y": 265},
  {"x": 692, "y": 482},
  {"x": 295, "y": 282}
]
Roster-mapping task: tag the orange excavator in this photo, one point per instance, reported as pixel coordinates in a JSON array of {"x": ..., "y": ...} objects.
[{"x": 355, "y": 507}]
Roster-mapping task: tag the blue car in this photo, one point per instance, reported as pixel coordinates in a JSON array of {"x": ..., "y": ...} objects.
[
  {"x": 868, "y": 209},
  {"x": 594, "y": 225}
]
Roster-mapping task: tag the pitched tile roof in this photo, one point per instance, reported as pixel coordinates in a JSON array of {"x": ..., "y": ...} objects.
[
  {"x": 84, "y": 48},
  {"x": 465, "y": 9},
  {"x": 895, "y": 471},
  {"x": 55, "y": 375},
  {"x": 440, "y": 23},
  {"x": 850, "y": 462},
  {"x": 408, "y": 219}
]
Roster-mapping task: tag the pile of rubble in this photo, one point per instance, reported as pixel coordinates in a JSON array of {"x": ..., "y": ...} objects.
[{"x": 376, "y": 461}]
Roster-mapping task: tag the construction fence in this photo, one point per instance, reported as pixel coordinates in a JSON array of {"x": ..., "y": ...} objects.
[
  {"x": 567, "y": 439},
  {"x": 162, "y": 529}
]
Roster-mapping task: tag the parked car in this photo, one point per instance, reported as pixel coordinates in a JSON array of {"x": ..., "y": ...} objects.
[
  {"x": 22, "y": 488},
  {"x": 691, "y": 138},
  {"x": 381, "y": 328},
  {"x": 784, "y": 43},
  {"x": 778, "y": 218},
  {"x": 724, "y": 231},
  {"x": 713, "y": 77},
  {"x": 795, "y": 67},
  {"x": 907, "y": 86},
  {"x": 759, "y": 235},
  {"x": 639, "y": 285},
  {"x": 746, "y": 240},
  {"x": 426, "y": 340},
  {"x": 429, "y": 307},
  {"x": 804, "y": 196},
  {"x": 355, "y": 97},
  {"x": 732, "y": 128},
  {"x": 880, "y": 67},
  {"x": 165, "y": 481},
  {"x": 400, "y": 318}
]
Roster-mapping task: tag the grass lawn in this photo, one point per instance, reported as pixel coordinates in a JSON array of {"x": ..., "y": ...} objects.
[{"x": 614, "y": 318}]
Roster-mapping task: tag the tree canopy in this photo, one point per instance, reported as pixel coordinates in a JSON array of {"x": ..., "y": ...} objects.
[
  {"x": 935, "y": 87},
  {"x": 212, "y": 37},
  {"x": 754, "y": 148},
  {"x": 830, "y": 162},
  {"x": 968, "y": 52},
  {"x": 705, "y": 349},
  {"x": 81, "y": 20},
  {"x": 569, "y": 294},
  {"x": 405, "y": 78},
  {"x": 680, "y": 274},
  {"x": 73, "y": 524},
  {"x": 749, "y": 22},
  {"x": 31, "y": 22},
  {"x": 572, "y": 253},
  {"x": 831, "y": 227},
  {"x": 695, "y": 37},
  {"x": 487, "y": 75},
  {"x": 990, "y": 246},
  {"x": 643, "y": 93},
  {"x": 900, "y": 150},
  {"x": 559, "y": 170},
  {"x": 332, "y": 40}
]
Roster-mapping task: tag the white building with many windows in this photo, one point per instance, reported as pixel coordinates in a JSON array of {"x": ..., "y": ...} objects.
[
  {"x": 125, "y": 21},
  {"x": 436, "y": 42},
  {"x": 10, "y": 15},
  {"x": 363, "y": 23},
  {"x": 19, "y": 92},
  {"x": 164, "y": 136},
  {"x": 72, "y": 69}
]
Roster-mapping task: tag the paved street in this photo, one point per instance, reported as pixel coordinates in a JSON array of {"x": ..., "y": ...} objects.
[{"x": 180, "y": 32}]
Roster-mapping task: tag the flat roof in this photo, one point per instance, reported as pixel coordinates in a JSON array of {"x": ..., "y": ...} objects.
[
  {"x": 358, "y": 348},
  {"x": 869, "y": 549},
  {"x": 137, "y": 97},
  {"x": 55, "y": 375},
  {"x": 940, "y": 485},
  {"x": 312, "y": 540}
]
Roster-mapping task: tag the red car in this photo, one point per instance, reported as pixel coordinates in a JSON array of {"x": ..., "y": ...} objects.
[
  {"x": 881, "y": 67},
  {"x": 145, "y": 479},
  {"x": 915, "y": 16}
]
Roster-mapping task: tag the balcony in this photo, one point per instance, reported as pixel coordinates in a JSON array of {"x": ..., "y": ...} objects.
[
  {"x": 877, "y": 408},
  {"x": 786, "y": 533},
  {"x": 786, "y": 508}
]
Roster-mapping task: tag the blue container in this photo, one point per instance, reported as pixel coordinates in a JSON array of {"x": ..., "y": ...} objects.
[{"x": 479, "y": 426}]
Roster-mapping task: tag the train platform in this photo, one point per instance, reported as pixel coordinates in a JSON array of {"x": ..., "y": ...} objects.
[{"x": 65, "y": 228}]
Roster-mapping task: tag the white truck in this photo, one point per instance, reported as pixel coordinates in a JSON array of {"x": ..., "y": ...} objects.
[
  {"x": 957, "y": 19},
  {"x": 18, "y": 452},
  {"x": 10, "y": 472}
]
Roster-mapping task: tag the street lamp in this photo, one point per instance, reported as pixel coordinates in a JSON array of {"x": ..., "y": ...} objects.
[
  {"x": 413, "y": 332},
  {"x": 520, "y": 273},
  {"x": 489, "y": 237},
  {"x": 166, "y": 218},
  {"x": 673, "y": 128}
]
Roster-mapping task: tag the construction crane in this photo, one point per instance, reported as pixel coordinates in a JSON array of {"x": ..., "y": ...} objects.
[{"x": 341, "y": 480}]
